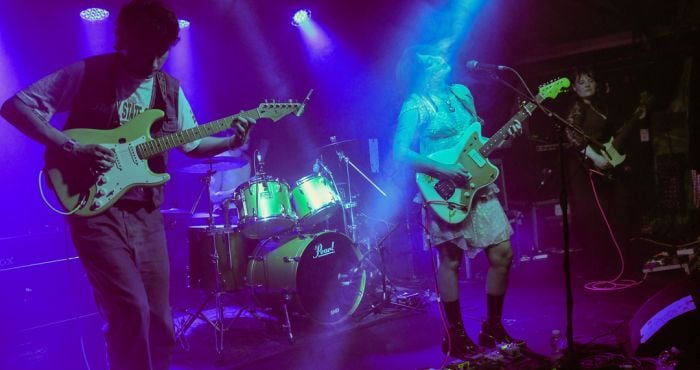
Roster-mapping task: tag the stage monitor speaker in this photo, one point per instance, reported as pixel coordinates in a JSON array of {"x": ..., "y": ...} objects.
[{"x": 670, "y": 318}]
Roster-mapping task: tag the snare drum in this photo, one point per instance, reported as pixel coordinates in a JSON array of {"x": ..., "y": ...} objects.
[
  {"x": 318, "y": 273},
  {"x": 218, "y": 258},
  {"x": 264, "y": 207},
  {"x": 314, "y": 200}
]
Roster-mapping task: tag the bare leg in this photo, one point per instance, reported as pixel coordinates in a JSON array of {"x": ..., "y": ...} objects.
[
  {"x": 500, "y": 257},
  {"x": 450, "y": 258},
  {"x": 456, "y": 340},
  {"x": 492, "y": 331}
]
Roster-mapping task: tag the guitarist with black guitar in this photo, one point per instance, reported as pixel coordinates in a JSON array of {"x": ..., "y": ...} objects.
[
  {"x": 596, "y": 173},
  {"x": 436, "y": 116},
  {"x": 108, "y": 172}
]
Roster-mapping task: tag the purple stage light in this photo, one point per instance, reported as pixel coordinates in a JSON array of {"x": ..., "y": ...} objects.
[
  {"x": 183, "y": 23},
  {"x": 301, "y": 17},
  {"x": 94, "y": 14}
]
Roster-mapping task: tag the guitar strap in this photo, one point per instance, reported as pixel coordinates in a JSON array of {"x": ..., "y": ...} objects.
[{"x": 465, "y": 98}]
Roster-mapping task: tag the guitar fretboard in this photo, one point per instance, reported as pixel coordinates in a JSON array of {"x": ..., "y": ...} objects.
[
  {"x": 502, "y": 135},
  {"x": 165, "y": 143}
]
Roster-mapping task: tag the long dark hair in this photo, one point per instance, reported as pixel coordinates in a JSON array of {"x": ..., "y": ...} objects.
[{"x": 410, "y": 70}]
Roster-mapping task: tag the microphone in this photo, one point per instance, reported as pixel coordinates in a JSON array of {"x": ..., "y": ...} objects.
[{"x": 473, "y": 65}]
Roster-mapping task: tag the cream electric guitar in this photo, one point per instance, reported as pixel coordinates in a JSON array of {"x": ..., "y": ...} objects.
[
  {"x": 85, "y": 194},
  {"x": 610, "y": 152},
  {"x": 451, "y": 201}
]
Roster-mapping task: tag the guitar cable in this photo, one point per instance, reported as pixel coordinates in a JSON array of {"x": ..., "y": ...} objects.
[
  {"x": 614, "y": 283},
  {"x": 80, "y": 205}
]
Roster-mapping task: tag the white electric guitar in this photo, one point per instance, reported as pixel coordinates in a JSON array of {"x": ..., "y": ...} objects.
[
  {"x": 451, "y": 201},
  {"x": 84, "y": 194}
]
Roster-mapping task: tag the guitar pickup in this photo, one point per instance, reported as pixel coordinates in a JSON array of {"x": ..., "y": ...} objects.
[{"x": 445, "y": 188}]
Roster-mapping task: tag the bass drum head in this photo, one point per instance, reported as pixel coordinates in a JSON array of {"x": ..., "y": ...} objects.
[{"x": 321, "y": 271}]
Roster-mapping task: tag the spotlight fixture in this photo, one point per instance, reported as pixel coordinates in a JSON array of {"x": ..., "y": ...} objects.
[
  {"x": 301, "y": 17},
  {"x": 183, "y": 24},
  {"x": 94, "y": 14}
]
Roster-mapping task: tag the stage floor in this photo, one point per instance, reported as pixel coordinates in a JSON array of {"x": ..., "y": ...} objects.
[{"x": 399, "y": 338}]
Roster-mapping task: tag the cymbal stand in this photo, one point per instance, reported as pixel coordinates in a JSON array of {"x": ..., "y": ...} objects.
[
  {"x": 352, "y": 227},
  {"x": 217, "y": 293},
  {"x": 386, "y": 291}
]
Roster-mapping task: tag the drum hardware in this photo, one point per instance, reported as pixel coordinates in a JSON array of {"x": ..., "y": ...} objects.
[
  {"x": 220, "y": 244},
  {"x": 218, "y": 269},
  {"x": 350, "y": 226},
  {"x": 334, "y": 143},
  {"x": 386, "y": 291}
]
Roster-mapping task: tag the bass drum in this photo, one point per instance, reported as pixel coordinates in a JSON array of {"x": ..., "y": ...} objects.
[{"x": 318, "y": 273}]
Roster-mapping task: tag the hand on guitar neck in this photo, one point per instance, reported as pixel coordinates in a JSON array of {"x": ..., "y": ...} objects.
[{"x": 609, "y": 156}]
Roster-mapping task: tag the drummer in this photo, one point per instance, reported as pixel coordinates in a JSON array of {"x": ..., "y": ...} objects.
[{"x": 224, "y": 183}]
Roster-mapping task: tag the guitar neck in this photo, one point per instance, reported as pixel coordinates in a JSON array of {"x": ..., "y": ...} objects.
[
  {"x": 164, "y": 143},
  {"x": 502, "y": 135},
  {"x": 622, "y": 133}
]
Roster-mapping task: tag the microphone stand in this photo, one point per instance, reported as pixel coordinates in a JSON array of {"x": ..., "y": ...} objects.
[{"x": 561, "y": 124}]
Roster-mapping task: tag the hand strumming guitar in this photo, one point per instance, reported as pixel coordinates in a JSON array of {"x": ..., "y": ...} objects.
[
  {"x": 453, "y": 171},
  {"x": 95, "y": 157}
]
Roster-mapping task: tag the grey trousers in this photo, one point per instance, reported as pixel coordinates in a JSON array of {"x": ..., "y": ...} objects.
[{"x": 125, "y": 256}]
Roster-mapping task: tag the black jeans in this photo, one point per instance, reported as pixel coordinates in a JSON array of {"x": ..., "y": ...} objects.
[{"x": 125, "y": 256}]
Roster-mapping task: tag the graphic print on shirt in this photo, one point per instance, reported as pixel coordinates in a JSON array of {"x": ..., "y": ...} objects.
[{"x": 128, "y": 110}]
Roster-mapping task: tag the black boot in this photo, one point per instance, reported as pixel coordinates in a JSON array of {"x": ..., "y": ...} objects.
[
  {"x": 492, "y": 330},
  {"x": 456, "y": 340}
]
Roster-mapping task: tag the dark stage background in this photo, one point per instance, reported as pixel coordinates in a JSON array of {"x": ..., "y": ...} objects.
[{"x": 236, "y": 54}]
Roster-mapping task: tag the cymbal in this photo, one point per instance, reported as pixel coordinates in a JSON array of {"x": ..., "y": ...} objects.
[
  {"x": 173, "y": 211},
  {"x": 203, "y": 215},
  {"x": 216, "y": 164},
  {"x": 334, "y": 144}
]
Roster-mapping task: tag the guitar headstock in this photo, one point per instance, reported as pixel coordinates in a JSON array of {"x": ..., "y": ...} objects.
[
  {"x": 275, "y": 110},
  {"x": 553, "y": 88}
]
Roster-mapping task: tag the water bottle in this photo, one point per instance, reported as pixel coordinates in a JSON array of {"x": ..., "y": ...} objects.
[{"x": 557, "y": 346}]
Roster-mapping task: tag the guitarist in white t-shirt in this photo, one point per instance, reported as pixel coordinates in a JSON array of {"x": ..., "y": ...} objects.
[{"x": 123, "y": 248}]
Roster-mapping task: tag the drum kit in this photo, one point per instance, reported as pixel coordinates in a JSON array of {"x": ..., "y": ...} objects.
[{"x": 277, "y": 248}]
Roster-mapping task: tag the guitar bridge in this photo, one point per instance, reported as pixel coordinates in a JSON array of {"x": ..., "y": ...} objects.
[{"x": 445, "y": 188}]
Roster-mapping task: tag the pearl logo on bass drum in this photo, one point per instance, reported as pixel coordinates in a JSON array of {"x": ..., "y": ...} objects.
[{"x": 322, "y": 252}]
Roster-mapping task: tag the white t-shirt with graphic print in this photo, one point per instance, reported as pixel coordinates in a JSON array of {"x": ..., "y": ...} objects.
[{"x": 56, "y": 92}]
